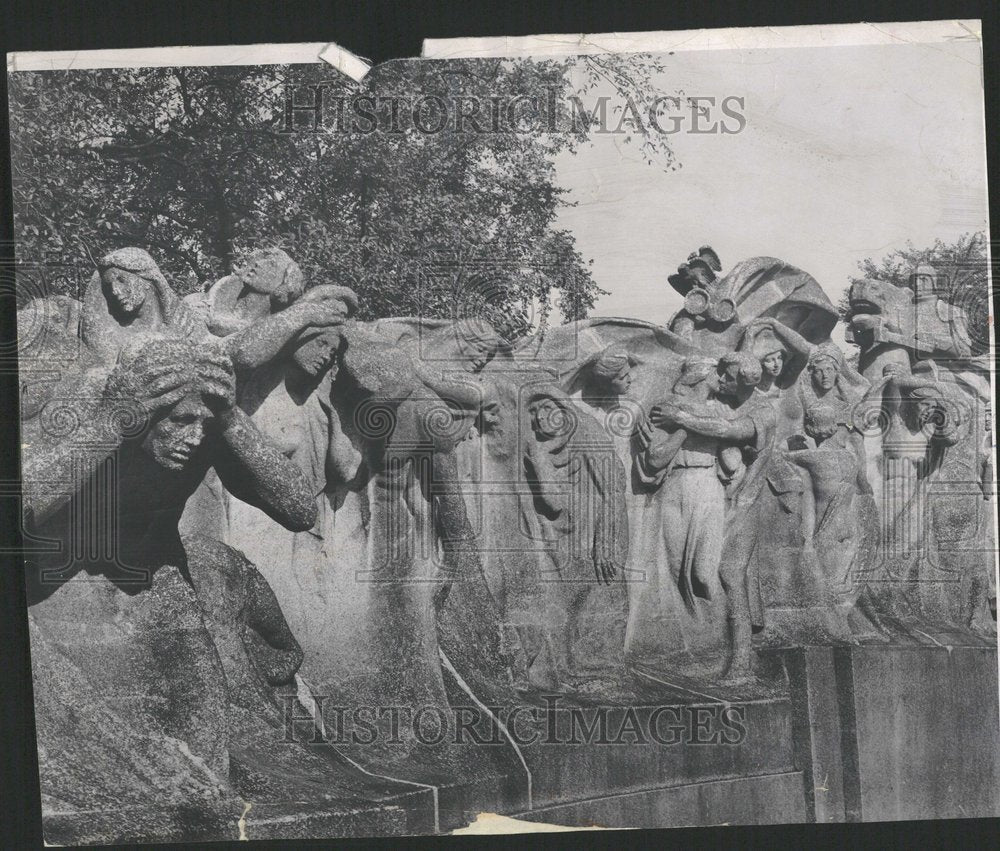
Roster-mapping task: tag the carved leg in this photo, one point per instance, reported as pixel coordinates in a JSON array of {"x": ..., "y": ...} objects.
[
  {"x": 570, "y": 596},
  {"x": 577, "y": 601},
  {"x": 733, "y": 577}
]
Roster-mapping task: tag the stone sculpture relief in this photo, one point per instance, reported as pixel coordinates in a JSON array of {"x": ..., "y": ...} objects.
[{"x": 415, "y": 511}]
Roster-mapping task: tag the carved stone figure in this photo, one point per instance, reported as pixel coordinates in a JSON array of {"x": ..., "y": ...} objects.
[
  {"x": 828, "y": 378},
  {"x": 499, "y": 509},
  {"x": 578, "y": 488},
  {"x": 888, "y": 323},
  {"x": 721, "y": 308},
  {"x": 147, "y": 726},
  {"x": 707, "y": 305},
  {"x": 679, "y": 529},
  {"x": 835, "y": 531},
  {"x": 266, "y": 283},
  {"x": 928, "y": 398},
  {"x": 129, "y": 295},
  {"x": 922, "y": 420},
  {"x": 749, "y": 425}
]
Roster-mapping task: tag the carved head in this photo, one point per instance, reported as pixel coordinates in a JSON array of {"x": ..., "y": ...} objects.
[
  {"x": 127, "y": 278},
  {"x": 738, "y": 374},
  {"x": 270, "y": 271},
  {"x": 696, "y": 370},
  {"x": 176, "y": 432},
  {"x": 316, "y": 350},
  {"x": 925, "y": 410},
  {"x": 773, "y": 363},
  {"x": 489, "y": 416},
  {"x": 551, "y": 416},
  {"x": 613, "y": 369},
  {"x": 824, "y": 365}
]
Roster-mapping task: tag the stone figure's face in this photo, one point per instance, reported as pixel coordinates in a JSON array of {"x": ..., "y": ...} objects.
[
  {"x": 173, "y": 439},
  {"x": 824, "y": 374},
  {"x": 480, "y": 357},
  {"x": 126, "y": 290},
  {"x": 771, "y": 364},
  {"x": 728, "y": 381},
  {"x": 926, "y": 412},
  {"x": 490, "y": 417},
  {"x": 621, "y": 383},
  {"x": 317, "y": 354},
  {"x": 547, "y": 418}
]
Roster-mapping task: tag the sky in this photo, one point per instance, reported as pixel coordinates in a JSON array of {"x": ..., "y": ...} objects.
[{"x": 848, "y": 152}]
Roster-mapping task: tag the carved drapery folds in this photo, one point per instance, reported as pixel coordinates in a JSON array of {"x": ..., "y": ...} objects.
[{"x": 420, "y": 512}]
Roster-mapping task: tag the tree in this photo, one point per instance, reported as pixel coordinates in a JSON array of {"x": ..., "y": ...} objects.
[
  {"x": 196, "y": 166},
  {"x": 962, "y": 275}
]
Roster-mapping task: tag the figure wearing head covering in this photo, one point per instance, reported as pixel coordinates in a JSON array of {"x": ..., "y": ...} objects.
[
  {"x": 128, "y": 295},
  {"x": 774, "y": 357},
  {"x": 578, "y": 487},
  {"x": 612, "y": 370}
]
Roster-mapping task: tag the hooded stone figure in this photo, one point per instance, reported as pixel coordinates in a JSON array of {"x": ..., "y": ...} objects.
[
  {"x": 611, "y": 367},
  {"x": 578, "y": 489},
  {"x": 491, "y": 466},
  {"x": 129, "y": 295}
]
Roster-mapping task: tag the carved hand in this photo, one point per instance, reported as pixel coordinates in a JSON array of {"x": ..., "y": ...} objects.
[
  {"x": 150, "y": 384},
  {"x": 323, "y": 312},
  {"x": 218, "y": 380},
  {"x": 606, "y": 569},
  {"x": 664, "y": 414}
]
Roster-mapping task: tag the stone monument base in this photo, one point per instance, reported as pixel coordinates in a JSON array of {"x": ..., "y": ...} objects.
[
  {"x": 863, "y": 733},
  {"x": 896, "y": 732}
]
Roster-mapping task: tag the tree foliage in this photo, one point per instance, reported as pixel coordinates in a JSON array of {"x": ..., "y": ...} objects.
[{"x": 195, "y": 165}]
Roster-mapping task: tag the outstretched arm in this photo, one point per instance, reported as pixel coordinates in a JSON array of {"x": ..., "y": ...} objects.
[
  {"x": 255, "y": 471},
  {"x": 741, "y": 430},
  {"x": 261, "y": 342}
]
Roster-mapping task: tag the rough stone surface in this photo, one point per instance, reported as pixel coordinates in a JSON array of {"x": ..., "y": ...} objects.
[{"x": 271, "y": 517}]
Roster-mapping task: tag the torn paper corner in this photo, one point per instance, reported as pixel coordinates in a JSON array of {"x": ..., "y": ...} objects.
[
  {"x": 346, "y": 62},
  {"x": 491, "y": 823}
]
